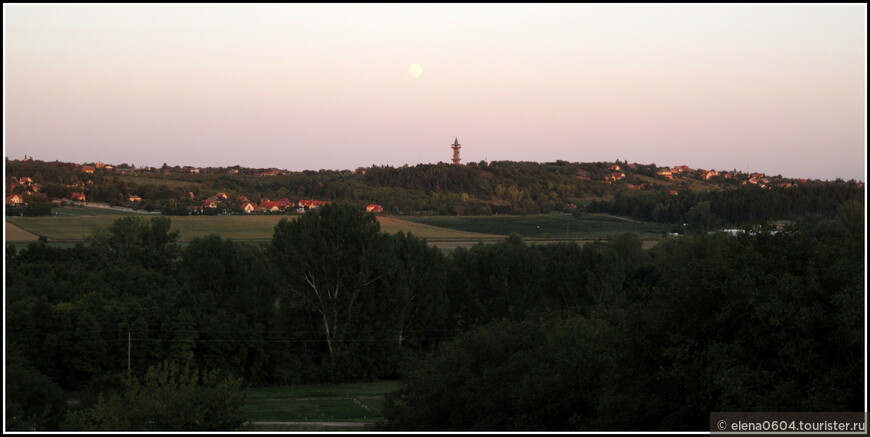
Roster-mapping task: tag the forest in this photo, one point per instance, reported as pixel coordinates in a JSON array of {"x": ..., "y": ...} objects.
[{"x": 133, "y": 331}]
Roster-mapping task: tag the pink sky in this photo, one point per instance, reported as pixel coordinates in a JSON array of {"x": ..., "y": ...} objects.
[{"x": 774, "y": 88}]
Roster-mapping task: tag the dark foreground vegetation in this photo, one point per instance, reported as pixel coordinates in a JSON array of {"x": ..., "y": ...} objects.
[{"x": 507, "y": 336}]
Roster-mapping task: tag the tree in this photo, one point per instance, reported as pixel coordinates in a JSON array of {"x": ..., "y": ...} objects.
[
  {"x": 329, "y": 260},
  {"x": 168, "y": 398}
]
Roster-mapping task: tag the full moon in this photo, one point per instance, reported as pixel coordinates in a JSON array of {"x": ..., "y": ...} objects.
[{"x": 416, "y": 70}]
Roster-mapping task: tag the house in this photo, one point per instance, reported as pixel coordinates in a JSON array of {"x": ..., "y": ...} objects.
[
  {"x": 665, "y": 172},
  {"x": 374, "y": 208},
  {"x": 25, "y": 181},
  {"x": 100, "y": 165},
  {"x": 615, "y": 167},
  {"x": 77, "y": 196},
  {"x": 707, "y": 174},
  {"x": 286, "y": 203},
  {"x": 268, "y": 205},
  {"x": 210, "y": 203},
  {"x": 221, "y": 196},
  {"x": 615, "y": 176},
  {"x": 249, "y": 207},
  {"x": 313, "y": 204},
  {"x": 15, "y": 199},
  {"x": 88, "y": 169},
  {"x": 134, "y": 199}
]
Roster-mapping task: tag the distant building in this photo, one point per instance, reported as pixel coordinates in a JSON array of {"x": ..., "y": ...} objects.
[
  {"x": 374, "y": 208},
  {"x": 666, "y": 172},
  {"x": 77, "y": 196},
  {"x": 88, "y": 169},
  {"x": 456, "y": 146},
  {"x": 313, "y": 204},
  {"x": 15, "y": 199}
]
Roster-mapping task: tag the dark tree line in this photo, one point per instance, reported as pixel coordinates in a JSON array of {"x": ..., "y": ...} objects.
[
  {"x": 502, "y": 336},
  {"x": 732, "y": 207}
]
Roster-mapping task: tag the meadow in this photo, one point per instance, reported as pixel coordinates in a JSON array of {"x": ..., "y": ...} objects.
[
  {"x": 315, "y": 407},
  {"x": 75, "y": 224},
  {"x": 547, "y": 226}
]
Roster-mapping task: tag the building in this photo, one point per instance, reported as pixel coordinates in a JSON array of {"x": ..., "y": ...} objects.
[
  {"x": 249, "y": 207},
  {"x": 456, "y": 146},
  {"x": 78, "y": 196},
  {"x": 313, "y": 204},
  {"x": 15, "y": 199},
  {"x": 374, "y": 208}
]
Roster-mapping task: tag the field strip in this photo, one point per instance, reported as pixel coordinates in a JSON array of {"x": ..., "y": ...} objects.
[
  {"x": 236, "y": 227},
  {"x": 15, "y": 233},
  {"x": 347, "y": 424}
]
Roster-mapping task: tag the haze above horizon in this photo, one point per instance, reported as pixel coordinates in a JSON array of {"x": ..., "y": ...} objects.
[{"x": 774, "y": 88}]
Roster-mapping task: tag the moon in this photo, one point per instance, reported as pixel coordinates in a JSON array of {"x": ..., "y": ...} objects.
[{"x": 416, "y": 70}]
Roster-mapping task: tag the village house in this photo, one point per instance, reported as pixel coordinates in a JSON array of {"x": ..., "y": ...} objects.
[
  {"x": 615, "y": 167},
  {"x": 249, "y": 207},
  {"x": 313, "y": 204},
  {"x": 77, "y": 196},
  {"x": 25, "y": 181},
  {"x": 707, "y": 174},
  {"x": 211, "y": 203},
  {"x": 134, "y": 198},
  {"x": 665, "y": 172},
  {"x": 270, "y": 206},
  {"x": 615, "y": 176},
  {"x": 88, "y": 169},
  {"x": 374, "y": 208},
  {"x": 15, "y": 199}
]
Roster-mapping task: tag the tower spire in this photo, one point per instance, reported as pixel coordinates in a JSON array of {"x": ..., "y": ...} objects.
[{"x": 456, "y": 146}]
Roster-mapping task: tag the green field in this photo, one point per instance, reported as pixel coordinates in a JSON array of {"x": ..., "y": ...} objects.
[
  {"x": 447, "y": 233},
  {"x": 561, "y": 226},
  {"x": 237, "y": 227},
  {"x": 79, "y": 211},
  {"x": 359, "y": 402}
]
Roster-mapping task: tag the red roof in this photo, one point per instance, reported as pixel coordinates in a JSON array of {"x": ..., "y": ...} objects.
[{"x": 307, "y": 202}]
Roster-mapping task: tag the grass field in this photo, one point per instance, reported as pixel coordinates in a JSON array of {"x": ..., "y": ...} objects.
[
  {"x": 359, "y": 402},
  {"x": 446, "y": 233},
  {"x": 72, "y": 227},
  {"x": 565, "y": 226},
  {"x": 82, "y": 211}
]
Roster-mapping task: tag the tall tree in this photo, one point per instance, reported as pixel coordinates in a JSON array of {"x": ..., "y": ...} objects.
[{"x": 329, "y": 260}]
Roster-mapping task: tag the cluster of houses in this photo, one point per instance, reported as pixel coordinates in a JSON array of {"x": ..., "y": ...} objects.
[
  {"x": 243, "y": 205},
  {"x": 617, "y": 172}
]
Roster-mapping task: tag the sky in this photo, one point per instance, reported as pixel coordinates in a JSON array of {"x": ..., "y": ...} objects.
[{"x": 775, "y": 88}]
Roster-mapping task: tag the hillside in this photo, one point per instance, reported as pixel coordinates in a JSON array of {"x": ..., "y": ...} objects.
[{"x": 644, "y": 191}]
